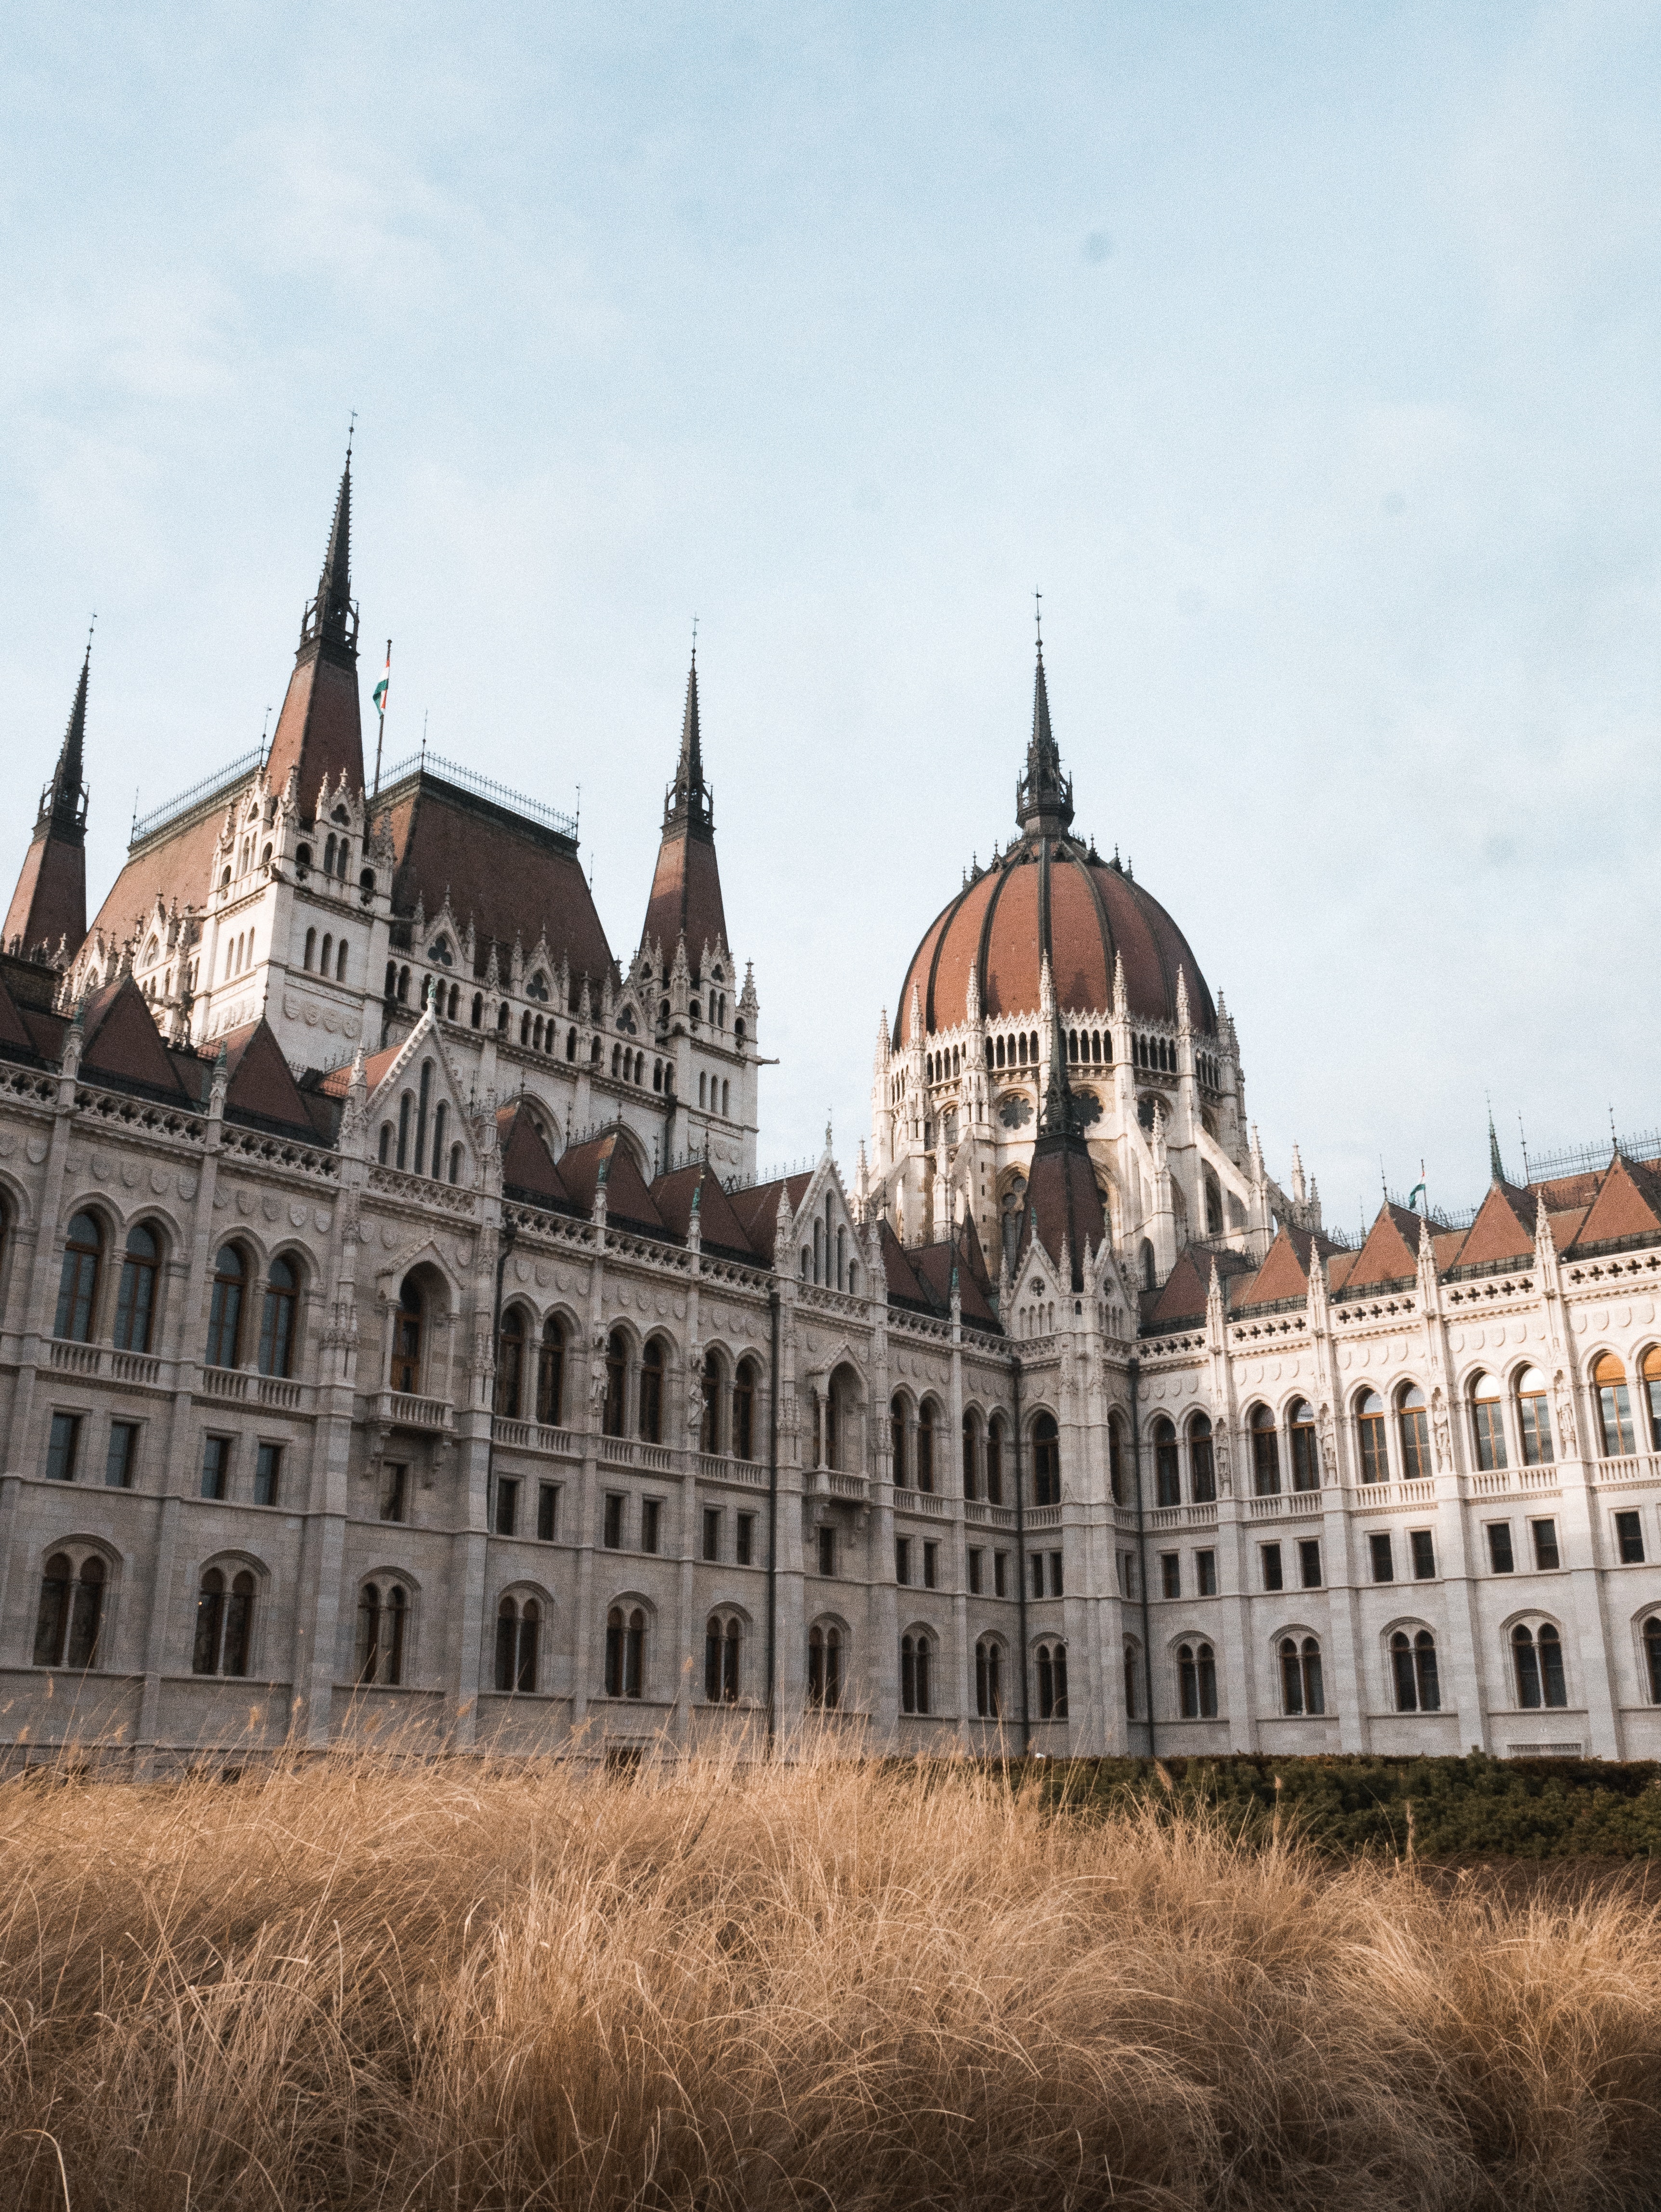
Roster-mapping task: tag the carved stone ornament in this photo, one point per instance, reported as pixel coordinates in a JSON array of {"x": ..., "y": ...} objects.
[
  {"x": 1438, "y": 1421},
  {"x": 1563, "y": 1403}
]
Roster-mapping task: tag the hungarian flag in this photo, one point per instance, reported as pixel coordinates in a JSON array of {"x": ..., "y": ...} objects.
[{"x": 386, "y": 679}]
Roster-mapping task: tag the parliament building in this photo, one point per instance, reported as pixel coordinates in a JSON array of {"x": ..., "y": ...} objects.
[{"x": 397, "y": 1346}]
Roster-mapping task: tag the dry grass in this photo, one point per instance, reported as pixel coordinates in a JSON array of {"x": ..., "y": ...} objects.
[{"x": 823, "y": 1985}]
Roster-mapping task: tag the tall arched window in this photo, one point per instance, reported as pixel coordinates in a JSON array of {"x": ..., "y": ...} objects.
[
  {"x": 519, "y": 1630},
  {"x": 309, "y": 958},
  {"x": 1370, "y": 1433},
  {"x": 230, "y": 1273},
  {"x": 510, "y": 1363},
  {"x": 383, "y": 1615},
  {"x": 744, "y": 1412},
  {"x": 617, "y": 1383},
  {"x": 896, "y": 1438},
  {"x": 1201, "y": 1460},
  {"x": 1132, "y": 1680},
  {"x": 1534, "y": 1418},
  {"x": 277, "y": 1319},
  {"x": 1301, "y": 1687},
  {"x": 1412, "y": 1418},
  {"x": 1651, "y": 1380},
  {"x": 1167, "y": 1470},
  {"x": 224, "y": 1623},
  {"x": 723, "y": 1644},
  {"x": 625, "y": 1651},
  {"x": 1265, "y": 1453},
  {"x": 550, "y": 1372},
  {"x": 1046, "y": 1461},
  {"x": 1115, "y": 1459},
  {"x": 989, "y": 1678},
  {"x": 971, "y": 1438},
  {"x": 69, "y": 1619},
  {"x": 1538, "y": 1657},
  {"x": 78, "y": 1281},
  {"x": 1487, "y": 1417},
  {"x": 1149, "y": 1282},
  {"x": 709, "y": 1405},
  {"x": 1412, "y": 1668},
  {"x": 1196, "y": 1681},
  {"x": 651, "y": 1392},
  {"x": 408, "y": 1328},
  {"x": 825, "y": 1667},
  {"x": 1614, "y": 1407},
  {"x": 994, "y": 1460},
  {"x": 1653, "y": 1656},
  {"x": 914, "y": 1654},
  {"x": 134, "y": 1296},
  {"x": 926, "y": 1444},
  {"x": 1052, "y": 1663},
  {"x": 1305, "y": 1453}
]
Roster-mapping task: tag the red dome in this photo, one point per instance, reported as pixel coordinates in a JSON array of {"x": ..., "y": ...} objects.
[{"x": 995, "y": 929}]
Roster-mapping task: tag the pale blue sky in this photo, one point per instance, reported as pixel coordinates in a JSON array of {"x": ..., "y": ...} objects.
[{"x": 1305, "y": 357}]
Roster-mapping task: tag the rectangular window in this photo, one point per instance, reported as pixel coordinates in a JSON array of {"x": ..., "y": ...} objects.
[
  {"x": 901, "y": 1560},
  {"x": 976, "y": 1555},
  {"x": 712, "y": 1532},
  {"x": 1170, "y": 1574},
  {"x": 1205, "y": 1573},
  {"x": 1629, "y": 1538},
  {"x": 215, "y": 1467},
  {"x": 612, "y": 1527},
  {"x": 1423, "y": 1541},
  {"x": 1037, "y": 1565},
  {"x": 744, "y": 1550},
  {"x": 1274, "y": 1573},
  {"x": 1054, "y": 1574},
  {"x": 827, "y": 1551},
  {"x": 1499, "y": 1553},
  {"x": 547, "y": 1512},
  {"x": 63, "y": 1448},
  {"x": 394, "y": 1486},
  {"x": 1309, "y": 1562},
  {"x": 1126, "y": 1574},
  {"x": 506, "y": 1504},
  {"x": 1383, "y": 1558},
  {"x": 267, "y": 1475},
  {"x": 931, "y": 1565},
  {"x": 1545, "y": 1543},
  {"x": 1000, "y": 1574},
  {"x": 121, "y": 1460},
  {"x": 651, "y": 1523}
]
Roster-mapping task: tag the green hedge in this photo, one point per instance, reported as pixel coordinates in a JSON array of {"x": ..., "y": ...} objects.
[{"x": 1461, "y": 1808}]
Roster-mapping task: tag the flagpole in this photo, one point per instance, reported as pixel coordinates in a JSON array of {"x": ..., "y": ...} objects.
[{"x": 380, "y": 734}]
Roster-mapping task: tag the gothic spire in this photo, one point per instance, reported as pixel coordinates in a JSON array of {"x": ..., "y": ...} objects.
[
  {"x": 685, "y": 898},
  {"x": 320, "y": 730},
  {"x": 48, "y": 908},
  {"x": 1044, "y": 796},
  {"x": 332, "y": 617},
  {"x": 64, "y": 800},
  {"x": 689, "y": 800},
  {"x": 1496, "y": 1167}
]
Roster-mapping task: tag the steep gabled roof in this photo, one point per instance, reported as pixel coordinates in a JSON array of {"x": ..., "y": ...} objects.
[
  {"x": 15, "y": 1041},
  {"x": 260, "y": 1085},
  {"x": 1501, "y": 1230},
  {"x": 628, "y": 1201},
  {"x": 527, "y": 1165},
  {"x": 338, "y": 1080},
  {"x": 121, "y": 1040},
  {"x": 757, "y": 1209},
  {"x": 1627, "y": 1204},
  {"x": 719, "y": 1229},
  {"x": 931, "y": 1266},
  {"x": 1388, "y": 1255},
  {"x": 898, "y": 1273},
  {"x": 1284, "y": 1274},
  {"x": 1182, "y": 1295}
]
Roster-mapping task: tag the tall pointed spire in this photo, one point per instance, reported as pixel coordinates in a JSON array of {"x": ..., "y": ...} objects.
[
  {"x": 319, "y": 731},
  {"x": 334, "y": 585},
  {"x": 49, "y": 906},
  {"x": 1496, "y": 1167},
  {"x": 63, "y": 801},
  {"x": 689, "y": 798},
  {"x": 1044, "y": 796},
  {"x": 686, "y": 899}
]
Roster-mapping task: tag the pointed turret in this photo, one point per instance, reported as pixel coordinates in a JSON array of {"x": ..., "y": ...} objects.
[
  {"x": 49, "y": 905},
  {"x": 1065, "y": 1200},
  {"x": 685, "y": 900},
  {"x": 1044, "y": 796},
  {"x": 320, "y": 733},
  {"x": 1496, "y": 1166}
]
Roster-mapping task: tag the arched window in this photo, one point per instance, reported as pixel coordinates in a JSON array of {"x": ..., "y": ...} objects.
[
  {"x": 1534, "y": 1418},
  {"x": 77, "y": 1282},
  {"x": 1489, "y": 1420},
  {"x": 1167, "y": 1470},
  {"x": 989, "y": 1678},
  {"x": 744, "y": 1412},
  {"x": 1148, "y": 1282},
  {"x": 408, "y": 1325},
  {"x": 1301, "y": 1689},
  {"x": 519, "y": 1630},
  {"x": 327, "y": 954},
  {"x": 1614, "y": 1407},
  {"x": 550, "y": 1372},
  {"x": 1369, "y": 1431},
  {"x": 455, "y": 1163},
  {"x": 1201, "y": 1460},
  {"x": 308, "y": 959},
  {"x": 625, "y": 1651},
  {"x": 1214, "y": 1208},
  {"x": 1305, "y": 1453},
  {"x": 1653, "y": 1656},
  {"x": 384, "y": 1152},
  {"x": 225, "y": 1311},
  {"x": 914, "y": 1654},
  {"x": 1538, "y": 1655},
  {"x": 1650, "y": 1373},
  {"x": 896, "y": 1438},
  {"x": 1413, "y": 1419},
  {"x": 1196, "y": 1681},
  {"x": 134, "y": 1296},
  {"x": 926, "y": 1444},
  {"x": 1265, "y": 1453},
  {"x": 825, "y": 1667},
  {"x": 69, "y": 1619},
  {"x": 1412, "y": 1668},
  {"x": 383, "y": 1616},
  {"x": 617, "y": 1383},
  {"x": 510, "y": 1363},
  {"x": 277, "y": 1319},
  {"x": 1051, "y": 1661},
  {"x": 709, "y": 1405},
  {"x": 723, "y": 1646},
  {"x": 405, "y": 1114},
  {"x": 224, "y": 1623},
  {"x": 1115, "y": 1459},
  {"x": 1132, "y": 1677},
  {"x": 1046, "y": 1461},
  {"x": 971, "y": 1444},
  {"x": 994, "y": 1460},
  {"x": 651, "y": 1392}
]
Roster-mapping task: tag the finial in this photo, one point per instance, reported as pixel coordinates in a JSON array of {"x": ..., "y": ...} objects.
[
  {"x": 695, "y": 639},
  {"x": 351, "y": 431},
  {"x": 1038, "y": 619},
  {"x": 1615, "y": 1140}
]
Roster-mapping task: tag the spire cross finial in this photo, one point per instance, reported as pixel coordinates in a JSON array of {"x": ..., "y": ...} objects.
[
  {"x": 351, "y": 431},
  {"x": 695, "y": 637},
  {"x": 1037, "y": 616}
]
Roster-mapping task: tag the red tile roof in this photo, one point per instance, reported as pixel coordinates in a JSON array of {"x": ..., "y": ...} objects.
[
  {"x": 528, "y": 1164},
  {"x": 1627, "y": 1204},
  {"x": 1498, "y": 1232},
  {"x": 259, "y": 1081},
  {"x": 319, "y": 730},
  {"x": 1387, "y": 1255},
  {"x": 628, "y": 1201},
  {"x": 718, "y": 1225},
  {"x": 685, "y": 897},
  {"x": 757, "y": 1209}
]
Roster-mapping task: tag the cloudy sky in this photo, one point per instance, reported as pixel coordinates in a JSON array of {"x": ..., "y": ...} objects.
[{"x": 1304, "y": 357}]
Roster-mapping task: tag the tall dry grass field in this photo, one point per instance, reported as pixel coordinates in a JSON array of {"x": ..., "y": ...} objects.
[{"x": 819, "y": 1985}]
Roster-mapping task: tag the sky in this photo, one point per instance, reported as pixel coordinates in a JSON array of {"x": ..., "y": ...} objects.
[{"x": 1305, "y": 358}]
